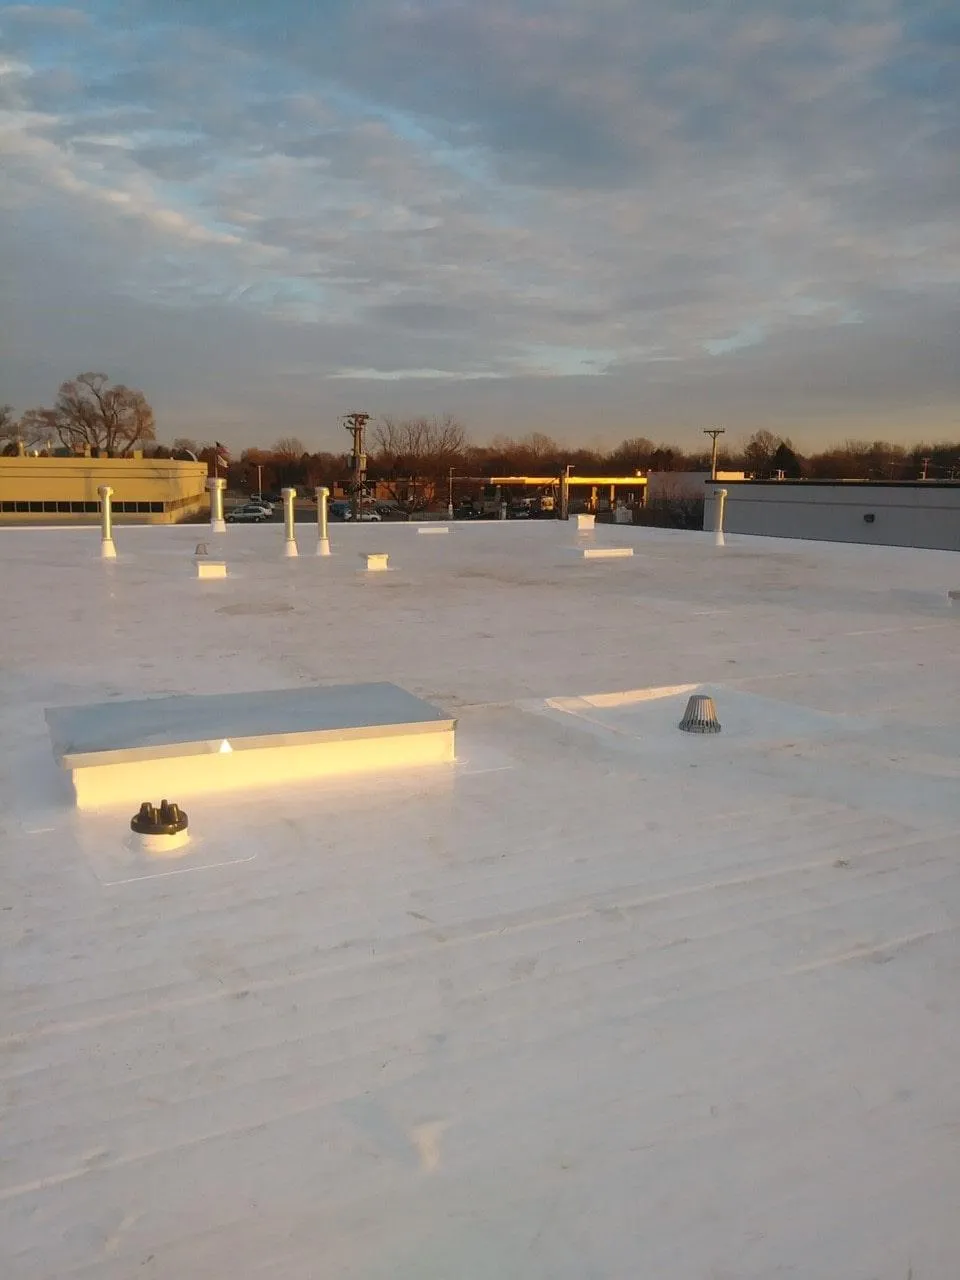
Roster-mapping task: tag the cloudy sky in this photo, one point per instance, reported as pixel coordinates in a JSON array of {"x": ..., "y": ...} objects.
[{"x": 595, "y": 218}]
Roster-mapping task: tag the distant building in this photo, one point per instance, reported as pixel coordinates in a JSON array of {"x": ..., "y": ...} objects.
[
  {"x": 664, "y": 485},
  {"x": 913, "y": 513},
  {"x": 63, "y": 490}
]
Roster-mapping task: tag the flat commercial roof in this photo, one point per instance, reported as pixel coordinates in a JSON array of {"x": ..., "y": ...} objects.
[{"x": 600, "y": 999}]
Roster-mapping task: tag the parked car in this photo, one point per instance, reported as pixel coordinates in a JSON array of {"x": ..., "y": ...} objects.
[
  {"x": 258, "y": 499},
  {"x": 365, "y": 514},
  {"x": 249, "y": 513}
]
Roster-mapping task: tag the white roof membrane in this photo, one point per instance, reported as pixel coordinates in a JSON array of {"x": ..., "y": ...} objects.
[{"x": 598, "y": 999}]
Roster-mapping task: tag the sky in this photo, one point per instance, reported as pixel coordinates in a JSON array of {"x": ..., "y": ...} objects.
[{"x": 593, "y": 218}]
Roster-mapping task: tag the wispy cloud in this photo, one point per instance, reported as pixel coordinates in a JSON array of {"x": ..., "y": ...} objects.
[
  {"x": 42, "y": 15},
  {"x": 410, "y": 375}
]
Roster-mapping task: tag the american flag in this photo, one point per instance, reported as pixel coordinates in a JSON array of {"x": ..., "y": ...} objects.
[{"x": 223, "y": 455}]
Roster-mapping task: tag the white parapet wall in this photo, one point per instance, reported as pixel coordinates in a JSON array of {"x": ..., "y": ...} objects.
[
  {"x": 433, "y": 528},
  {"x": 906, "y": 514},
  {"x": 120, "y": 753}
]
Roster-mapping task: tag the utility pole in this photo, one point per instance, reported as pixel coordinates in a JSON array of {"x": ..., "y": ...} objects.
[
  {"x": 713, "y": 432},
  {"x": 926, "y": 462},
  {"x": 356, "y": 424},
  {"x": 450, "y": 495}
]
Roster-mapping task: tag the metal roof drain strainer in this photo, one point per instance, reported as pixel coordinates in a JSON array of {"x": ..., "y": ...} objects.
[{"x": 700, "y": 715}]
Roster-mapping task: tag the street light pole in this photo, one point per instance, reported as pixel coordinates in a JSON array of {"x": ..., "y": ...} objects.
[
  {"x": 450, "y": 495},
  {"x": 259, "y": 480},
  {"x": 713, "y": 432},
  {"x": 565, "y": 492}
]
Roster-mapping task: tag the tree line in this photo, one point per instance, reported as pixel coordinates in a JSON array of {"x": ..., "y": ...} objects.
[{"x": 420, "y": 453}]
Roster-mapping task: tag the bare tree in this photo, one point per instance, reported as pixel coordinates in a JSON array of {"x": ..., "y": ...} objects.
[
  {"x": 632, "y": 455},
  {"x": 758, "y": 452},
  {"x": 289, "y": 447},
  {"x": 540, "y": 446},
  {"x": 414, "y": 455},
  {"x": 425, "y": 443},
  {"x": 9, "y": 429},
  {"x": 89, "y": 411},
  {"x": 33, "y": 431}
]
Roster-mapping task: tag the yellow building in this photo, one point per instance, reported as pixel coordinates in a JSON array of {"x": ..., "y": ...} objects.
[{"x": 64, "y": 490}]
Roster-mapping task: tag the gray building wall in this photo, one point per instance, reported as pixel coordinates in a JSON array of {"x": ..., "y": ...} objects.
[{"x": 917, "y": 514}]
